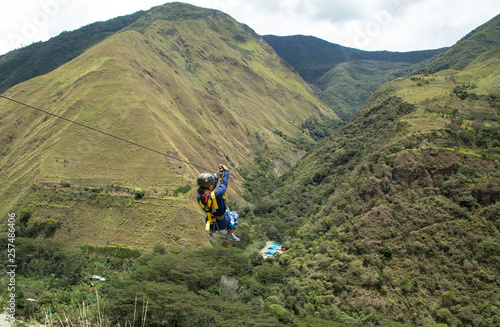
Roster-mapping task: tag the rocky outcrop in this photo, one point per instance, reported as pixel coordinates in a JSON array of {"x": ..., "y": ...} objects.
[{"x": 434, "y": 167}]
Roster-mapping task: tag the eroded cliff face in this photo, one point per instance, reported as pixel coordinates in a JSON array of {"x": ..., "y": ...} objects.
[{"x": 455, "y": 174}]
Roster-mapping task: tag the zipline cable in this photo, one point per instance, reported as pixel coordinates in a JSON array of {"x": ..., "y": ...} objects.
[{"x": 106, "y": 133}]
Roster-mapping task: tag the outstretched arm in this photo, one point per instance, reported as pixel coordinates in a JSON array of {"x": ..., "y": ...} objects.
[{"x": 225, "y": 180}]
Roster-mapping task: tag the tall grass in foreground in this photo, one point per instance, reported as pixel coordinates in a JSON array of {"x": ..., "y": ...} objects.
[{"x": 87, "y": 317}]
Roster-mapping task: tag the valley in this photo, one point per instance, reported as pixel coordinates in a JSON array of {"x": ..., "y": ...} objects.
[{"x": 384, "y": 202}]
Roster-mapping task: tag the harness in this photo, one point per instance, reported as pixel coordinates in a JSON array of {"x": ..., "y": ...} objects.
[{"x": 210, "y": 207}]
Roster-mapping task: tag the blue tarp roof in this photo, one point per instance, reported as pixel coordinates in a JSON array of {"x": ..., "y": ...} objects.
[
  {"x": 274, "y": 246},
  {"x": 269, "y": 252}
]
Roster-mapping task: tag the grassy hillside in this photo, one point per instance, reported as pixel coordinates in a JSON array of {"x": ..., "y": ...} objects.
[
  {"x": 478, "y": 41},
  {"x": 206, "y": 90},
  {"x": 40, "y": 58},
  {"x": 396, "y": 216},
  {"x": 345, "y": 78}
]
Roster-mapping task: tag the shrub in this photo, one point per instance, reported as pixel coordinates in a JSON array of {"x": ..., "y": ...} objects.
[
  {"x": 444, "y": 315},
  {"x": 159, "y": 248},
  {"x": 467, "y": 201},
  {"x": 228, "y": 289},
  {"x": 138, "y": 193},
  {"x": 281, "y": 313},
  {"x": 386, "y": 252},
  {"x": 50, "y": 226},
  {"x": 182, "y": 190},
  {"x": 33, "y": 227},
  {"x": 448, "y": 298},
  {"x": 24, "y": 215}
]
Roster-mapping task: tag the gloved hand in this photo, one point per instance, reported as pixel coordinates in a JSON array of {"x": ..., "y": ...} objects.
[{"x": 223, "y": 168}]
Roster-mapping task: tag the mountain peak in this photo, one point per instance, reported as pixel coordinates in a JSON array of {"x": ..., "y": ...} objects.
[{"x": 175, "y": 11}]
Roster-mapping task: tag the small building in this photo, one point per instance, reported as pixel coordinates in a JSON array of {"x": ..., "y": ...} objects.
[{"x": 270, "y": 249}]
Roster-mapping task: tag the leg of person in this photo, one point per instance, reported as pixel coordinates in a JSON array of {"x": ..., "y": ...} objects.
[
  {"x": 233, "y": 223},
  {"x": 225, "y": 243},
  {"x": 231, "y": 237},
  {"x": 231, "y": 220},
  {"x": 227, "y": 239}
]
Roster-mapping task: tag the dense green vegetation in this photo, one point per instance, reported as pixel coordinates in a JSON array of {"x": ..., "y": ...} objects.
[
  {"x": 396, "y": 215},
  {"x": 408, "y": 231},
  {"x": 176, "y": 289}
]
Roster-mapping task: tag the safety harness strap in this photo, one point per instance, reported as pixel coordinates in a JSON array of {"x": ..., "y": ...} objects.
[{"x": 209, "y": 208}]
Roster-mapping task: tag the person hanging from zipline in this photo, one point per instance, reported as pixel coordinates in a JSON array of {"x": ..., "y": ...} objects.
[{"x": 219, "y": 218}]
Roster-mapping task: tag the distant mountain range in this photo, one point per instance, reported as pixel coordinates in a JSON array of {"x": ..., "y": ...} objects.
[
  {"x": 345, "y": 78},
  {"x": 313, "y": 57}
]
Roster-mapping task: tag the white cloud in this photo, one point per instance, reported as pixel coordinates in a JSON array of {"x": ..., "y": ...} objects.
[
  {"x": 398, "y": 25},
  {"x": 22, "y": 23}
]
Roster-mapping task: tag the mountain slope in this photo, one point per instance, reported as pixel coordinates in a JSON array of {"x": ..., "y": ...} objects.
[
  {"x": 313, "y": 57},
  {"x": 350, "y": 84},
  {"x": 204, "y": 89},
  {"x": 396, "y": 215},
  {"x": 478, "y": 41},
  {"x": 344, "y": 78}
]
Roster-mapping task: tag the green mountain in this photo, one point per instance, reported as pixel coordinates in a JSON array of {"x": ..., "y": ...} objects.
[
  {"x": 347, "y": 86},
  {"x": 471, "y": 46},
  {"x": 183, "y": 80},
  {"x": 345, "y": 78},
  {"x": 395, "y": 217}
]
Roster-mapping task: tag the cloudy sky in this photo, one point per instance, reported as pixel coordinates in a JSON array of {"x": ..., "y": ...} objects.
[{"x": 396, "y": 25}]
